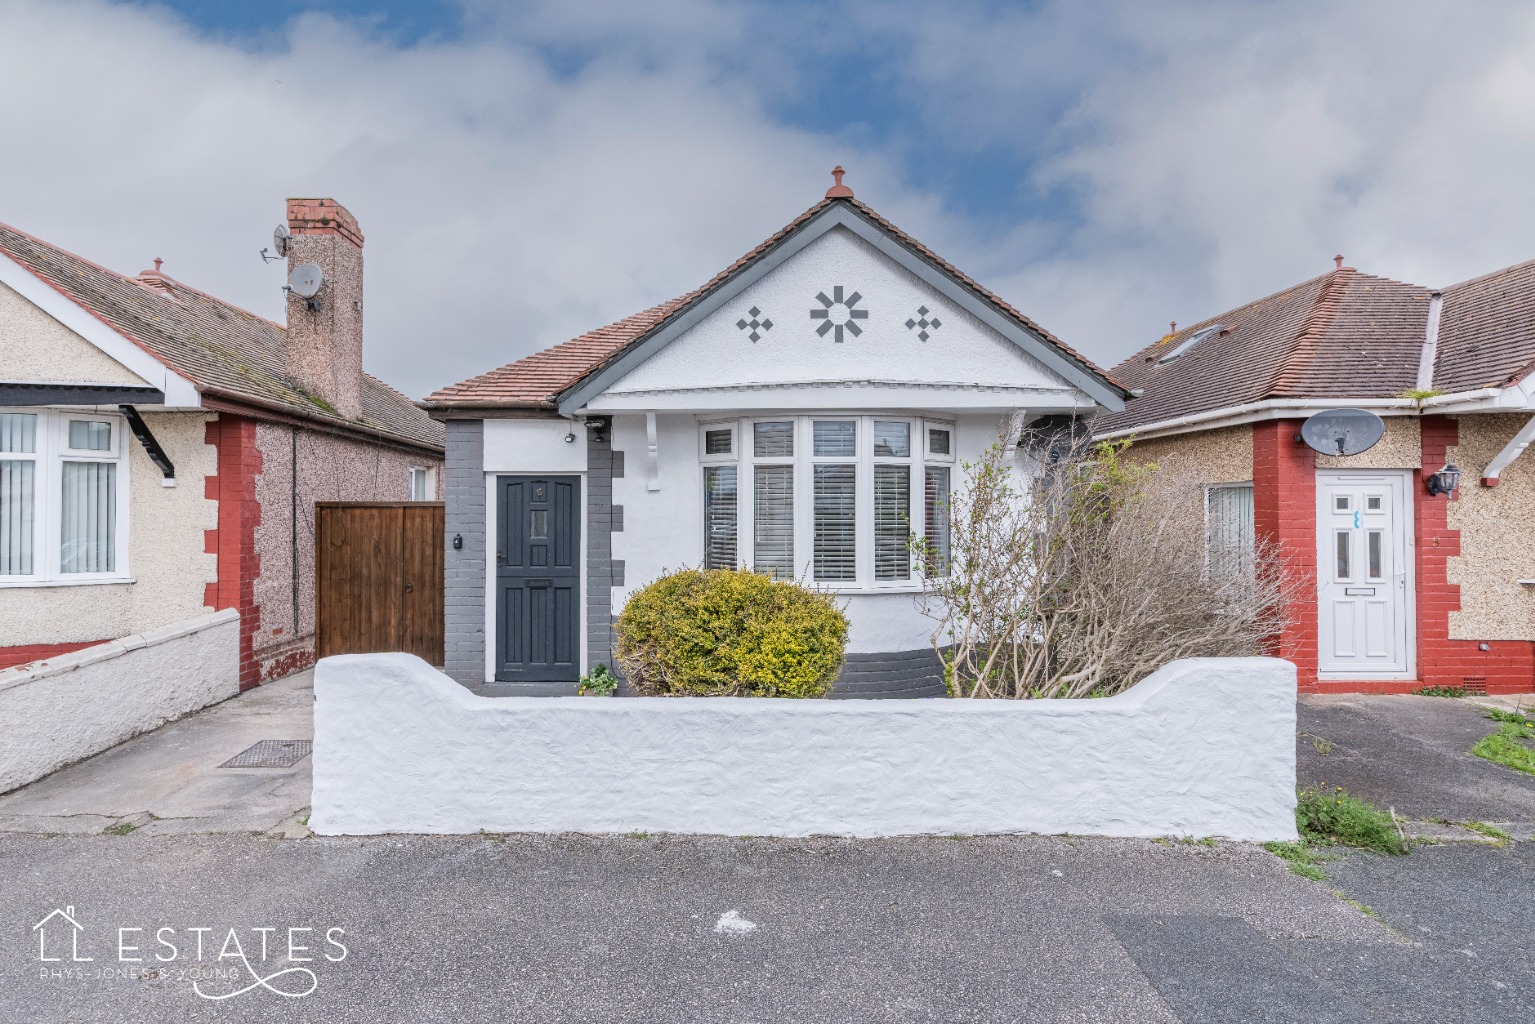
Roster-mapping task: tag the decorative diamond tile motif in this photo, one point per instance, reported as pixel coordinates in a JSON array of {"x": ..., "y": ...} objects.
[
  {"x": 922, "y": 324},
  {"x": 837, "y": 314},
  {"x": 271, "y": 754},
  {"x": 757, "y": 327}
]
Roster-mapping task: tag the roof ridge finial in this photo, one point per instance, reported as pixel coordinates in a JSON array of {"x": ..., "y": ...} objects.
[
  {"x": 158, "y": 263},
  {"x": 1337, "y": 262},
  {"x": 839, "y": 190}
]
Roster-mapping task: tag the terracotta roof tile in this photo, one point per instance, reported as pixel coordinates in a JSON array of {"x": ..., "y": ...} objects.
[
  {"x": 538, "y": 380},
  {"x": 221, "y": 348},
  {"x": 1342, "y": 335},
  {"x": 1487, "y": 331}
]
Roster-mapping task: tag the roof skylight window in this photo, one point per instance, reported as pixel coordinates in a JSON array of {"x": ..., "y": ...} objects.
[{"x": 1190, "y": 342}]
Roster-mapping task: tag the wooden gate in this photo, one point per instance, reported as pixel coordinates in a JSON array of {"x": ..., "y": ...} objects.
[{"x": 379, "y": 578}]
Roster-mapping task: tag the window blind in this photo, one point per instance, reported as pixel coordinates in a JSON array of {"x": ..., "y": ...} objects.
[
  {"x": 1229, "y": 527},
  {"x": 836, "y": 537},
  {"x": 16, "y": 516},
  {"x": 892, "y": 439},
  {"x": 720, "y": 517},
  {"x": 717, "y": 442},
  {"x": 773, "y": 520},
  {"x": 771, "y": 440},
  {"x": 834, "y": 439},
  {"x": 18, "y": 477},
  {"x": 935, "y": 516},
  {"x": 892, "y": 512},
  {"x": 88, "y": 540}
]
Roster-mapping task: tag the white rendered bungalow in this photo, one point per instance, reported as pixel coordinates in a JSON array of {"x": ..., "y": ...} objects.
[{"x": 798, "y": 413}]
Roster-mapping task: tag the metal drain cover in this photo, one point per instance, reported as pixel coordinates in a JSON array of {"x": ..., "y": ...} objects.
[{"x": 271, "y": 754}]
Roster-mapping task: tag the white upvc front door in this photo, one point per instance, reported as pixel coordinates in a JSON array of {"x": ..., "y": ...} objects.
[{"x": 1365, "y": 622}]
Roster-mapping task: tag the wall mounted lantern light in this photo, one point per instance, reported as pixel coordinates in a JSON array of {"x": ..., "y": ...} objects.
[{"x": 1446, "y": 481}]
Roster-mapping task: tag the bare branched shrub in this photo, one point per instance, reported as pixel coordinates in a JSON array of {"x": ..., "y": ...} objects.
[{"x": 1076, "y": 572}]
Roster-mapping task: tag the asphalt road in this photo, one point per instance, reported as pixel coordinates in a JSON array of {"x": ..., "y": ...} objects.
[{"x": 641, "y": 929}]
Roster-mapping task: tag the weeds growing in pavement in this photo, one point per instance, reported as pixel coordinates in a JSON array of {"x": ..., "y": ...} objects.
[
  {"x": 1441, "y": 691},
  {"x": 1510, "y": 746},
  {"x": 1325, "y": 819},
  {"x": 1490, "y": 831},
  {"x": 1337, "y": 818}
]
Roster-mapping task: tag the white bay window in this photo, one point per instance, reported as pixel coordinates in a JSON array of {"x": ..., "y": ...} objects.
[
  {"x": 63, "y": 497},
  {"x": 833, "y": 499}
]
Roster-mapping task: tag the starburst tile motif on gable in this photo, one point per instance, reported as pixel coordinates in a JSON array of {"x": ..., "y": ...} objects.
[
  {"x": 757, "y": 327},
  {"x": 837, "y": 314},
  {"x": 923, "y": 324}
]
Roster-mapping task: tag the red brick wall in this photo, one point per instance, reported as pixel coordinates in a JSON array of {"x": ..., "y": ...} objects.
[
  {"x": 234, "y": 542},
  {"x": 1284, "y": 514},
  {"x": 24, "y": 654}
]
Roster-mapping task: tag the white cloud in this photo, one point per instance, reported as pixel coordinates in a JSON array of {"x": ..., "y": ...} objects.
[{"x": 1213, "y": 152}]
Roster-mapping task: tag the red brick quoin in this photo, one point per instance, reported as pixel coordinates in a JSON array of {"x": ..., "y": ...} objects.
[
  {"x": 1284, "y": 514},
  {"x": 234, "y": 542},
  {"x": 1507, "y": 666}
]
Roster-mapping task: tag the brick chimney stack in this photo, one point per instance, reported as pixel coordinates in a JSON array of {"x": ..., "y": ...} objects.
[{"x": 324, "y": 345}]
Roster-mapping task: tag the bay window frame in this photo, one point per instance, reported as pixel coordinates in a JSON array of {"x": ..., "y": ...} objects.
[
  {"x": 51, "y": 454},
  {"x": 804, "y": 460}
]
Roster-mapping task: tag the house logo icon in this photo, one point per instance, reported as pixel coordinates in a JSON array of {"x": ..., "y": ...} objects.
[{"x": 49, "y": 924}]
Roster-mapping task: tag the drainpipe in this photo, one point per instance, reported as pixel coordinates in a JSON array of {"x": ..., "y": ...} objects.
[
  {"x": 1430, "y": 342},
  {"x": 1510, "y": 452}
]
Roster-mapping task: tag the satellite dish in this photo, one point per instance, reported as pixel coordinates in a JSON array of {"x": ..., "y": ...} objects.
[
  {"x": 306, "y": 279},
  {"x": 1343, "y": 431},
  {"x": 280, "y": 239}
]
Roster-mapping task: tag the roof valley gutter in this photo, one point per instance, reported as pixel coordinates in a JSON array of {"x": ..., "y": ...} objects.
[{"x": 1430, "y": 343}]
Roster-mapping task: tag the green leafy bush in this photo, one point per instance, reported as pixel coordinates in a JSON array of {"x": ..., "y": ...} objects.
[
  {"x": 728, "y": 632},
  {"x": 599, "y": 682}
]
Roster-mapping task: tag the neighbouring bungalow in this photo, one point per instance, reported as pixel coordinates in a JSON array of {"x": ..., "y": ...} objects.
[
  {"x": 798, "y": 414},
  {"x": 1416, "y": 556},
  {"x": 161, "y": 452}
]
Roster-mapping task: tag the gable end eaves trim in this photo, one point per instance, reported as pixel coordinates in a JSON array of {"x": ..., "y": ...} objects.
[
  {"x": 841, "y": 215},
  {"x": 179, "y": 391}
]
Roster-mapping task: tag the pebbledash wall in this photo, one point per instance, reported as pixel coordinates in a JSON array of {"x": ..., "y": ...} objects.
[
  {"x": 1200, "y": 748},
  {"x": 169, "y": 562},
  {"x": 299, "y": 467},
  {"x": 1470, "y": 550},
  {"x": 66, "y": 708}
]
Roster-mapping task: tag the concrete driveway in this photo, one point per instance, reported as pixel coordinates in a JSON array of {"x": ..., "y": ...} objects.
[
  {"x": 170, "y": 781},
  {"x": 1409, "y": 753}
]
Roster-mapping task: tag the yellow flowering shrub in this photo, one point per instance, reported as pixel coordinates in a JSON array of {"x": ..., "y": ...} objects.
[{"x": 729, "y": 632}]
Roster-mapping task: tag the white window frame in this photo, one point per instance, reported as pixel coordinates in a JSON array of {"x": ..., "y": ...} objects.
[
  {"x": 743, "y": 456},
  {"x": 430, "y": 476},
  {"x": 48, "y": 492}
]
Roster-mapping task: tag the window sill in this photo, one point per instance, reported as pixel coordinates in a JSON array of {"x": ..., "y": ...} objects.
[{"x": 93, "y": 582}]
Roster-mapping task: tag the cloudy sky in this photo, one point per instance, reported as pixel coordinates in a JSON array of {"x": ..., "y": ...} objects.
[{"x": 524, "y": 172}]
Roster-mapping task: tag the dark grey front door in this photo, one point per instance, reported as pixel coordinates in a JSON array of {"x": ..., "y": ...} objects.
[{"x": 538, "y": 578}]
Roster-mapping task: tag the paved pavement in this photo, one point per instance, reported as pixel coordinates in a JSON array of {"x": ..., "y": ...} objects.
[
  {"x": 529, "y": 928},
  {"x": 169, "y": 781}
]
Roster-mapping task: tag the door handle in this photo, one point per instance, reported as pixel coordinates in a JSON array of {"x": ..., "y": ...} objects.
[{"x": 409, "y": 586}]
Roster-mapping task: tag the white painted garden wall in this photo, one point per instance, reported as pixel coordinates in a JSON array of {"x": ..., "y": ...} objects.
[
  {"x": 1202, "y": 747},
  {"x": 63, "y": 709}
]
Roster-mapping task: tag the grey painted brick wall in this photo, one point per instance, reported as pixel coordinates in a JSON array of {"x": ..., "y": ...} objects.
[
  {"x": 464, "y": 598},
  {"x": 599, "y": 546}
]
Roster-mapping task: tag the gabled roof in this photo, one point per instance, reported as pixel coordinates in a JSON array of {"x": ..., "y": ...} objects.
[
  {"x": 540, "y": 380},
  {"x": 1344, "y": 336},
  {"x": 224, "y": 350}
]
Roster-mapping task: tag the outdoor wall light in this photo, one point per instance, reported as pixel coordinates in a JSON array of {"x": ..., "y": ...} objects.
[
  {"x": 1446, "y": 481},
  {"x": 570, "y": 438},
  {"x": 458, "y": 542}
]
